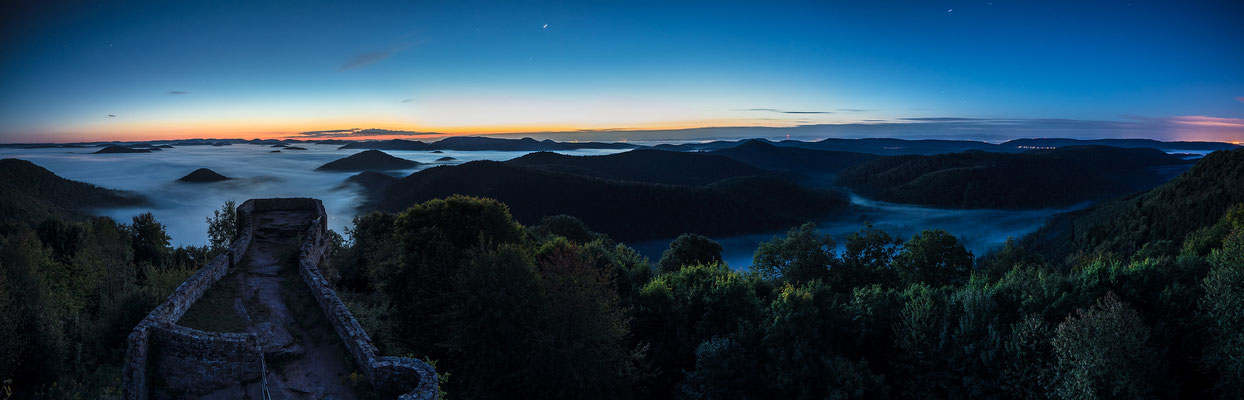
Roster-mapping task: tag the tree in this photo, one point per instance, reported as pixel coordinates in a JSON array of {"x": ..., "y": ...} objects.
[
  {"x": 803, "y": 255},
  {"x": 566, "y": 226},
  {"x": 433, "y": 237},
  {"x": 678, "y": 310},
  {"x": 583, "y": 324},
  {"x": 222, "y": 226},
  {"x": 866, "y": 260},
  {"x": 1000, "y": 262},
  {"x": 805, "y": 340},
  {"x": 934, "y": 257},
  {"x": 724, "y": 370},
  {"x": 1222, "y": 308},
  {"x": 1105, "y": 352},
  {"x": 689, "y": 249},
  {"x": 493, "y": 316},
  {"x": 149, "y": 241}
]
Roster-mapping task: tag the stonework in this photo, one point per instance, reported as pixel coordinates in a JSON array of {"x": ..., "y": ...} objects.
[{"x": 193, "y": 361}]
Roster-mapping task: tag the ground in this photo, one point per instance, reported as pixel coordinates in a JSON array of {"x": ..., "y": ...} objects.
[{"x": 265, "y": 295}]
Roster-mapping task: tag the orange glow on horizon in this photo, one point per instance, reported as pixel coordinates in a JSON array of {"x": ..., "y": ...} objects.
[{"x": 155, "y": 131}]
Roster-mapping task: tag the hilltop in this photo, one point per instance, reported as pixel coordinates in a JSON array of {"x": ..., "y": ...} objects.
[
  {"x": 369, "y": 160},
  {"x": 121, "y": 150},
  {"x": 203, "y": 175},
  {"x": 31, "y": 193}
]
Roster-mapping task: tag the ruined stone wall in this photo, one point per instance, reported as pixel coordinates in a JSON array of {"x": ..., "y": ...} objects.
[
  {"x": 161, "y": 322},
  {"x": 409, "y": 378},
  {"x": 188, "y": 358}
]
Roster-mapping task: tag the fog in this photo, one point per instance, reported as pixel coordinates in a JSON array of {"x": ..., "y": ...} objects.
[
  {"x": 183, "y": 207},
  {"x": 980, "y": 230}
]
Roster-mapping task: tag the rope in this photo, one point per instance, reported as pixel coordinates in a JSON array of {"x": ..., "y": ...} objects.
[{"x": 263, "y": 366}]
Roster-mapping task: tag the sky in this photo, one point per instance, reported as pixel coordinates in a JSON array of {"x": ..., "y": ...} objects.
[{"x": 992, "y": 70}]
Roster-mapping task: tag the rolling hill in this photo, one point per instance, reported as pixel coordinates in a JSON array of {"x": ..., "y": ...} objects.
[
  {"x": 368, "y": 160},
  {"x": 626, "y": 210},
  {"x": 1034, "y": 179},
  {"x": 1194, "y": 199},
  {"x": 643, "y": 165},
  {"x": 30, "y": 193}
]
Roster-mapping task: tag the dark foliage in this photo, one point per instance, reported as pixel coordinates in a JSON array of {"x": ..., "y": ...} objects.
[
  {"x": 1034, "y": 179},
  {"x": 30, "y": 193},
  {"x": 653, "y": 166},
  {"x": 1175, "y": 210},
  {"x": 623, "y": 210}
]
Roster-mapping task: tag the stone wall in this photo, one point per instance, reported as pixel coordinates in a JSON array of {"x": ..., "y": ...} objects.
[
  {"x": 408, "y": 378},
  {"x": 160, "y": 323},
  {"x": 189, "y": 359}
]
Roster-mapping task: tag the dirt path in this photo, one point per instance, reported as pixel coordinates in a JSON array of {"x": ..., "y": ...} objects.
[{"x": 305, "y": 358}]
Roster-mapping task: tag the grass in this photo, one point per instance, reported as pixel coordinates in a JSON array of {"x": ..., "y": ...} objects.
[{"x": 214, "y": 311}]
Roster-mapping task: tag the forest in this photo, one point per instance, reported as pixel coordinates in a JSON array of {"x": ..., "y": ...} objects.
[{"x": 1139, "y": 297}]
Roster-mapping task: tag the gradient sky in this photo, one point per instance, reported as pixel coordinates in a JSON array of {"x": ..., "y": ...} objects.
[{"x": 174, "y": 69}]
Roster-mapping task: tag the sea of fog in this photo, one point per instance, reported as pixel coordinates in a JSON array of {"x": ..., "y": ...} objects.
[
  {"x": 183, "y": 207},
  {"x": 980, "y": 230}
]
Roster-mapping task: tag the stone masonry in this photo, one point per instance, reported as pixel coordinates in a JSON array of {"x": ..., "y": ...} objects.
[{"x": 192, "y": 361}]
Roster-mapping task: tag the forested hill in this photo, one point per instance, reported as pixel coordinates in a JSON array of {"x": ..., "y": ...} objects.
[
  {"x": 31, "y": 193},
  {"x": 1172, "y": 211},
  {"x": 626, "y": 210},
  {"x": 1035, "y": 179},
  {"x": 654, "y": 166}
]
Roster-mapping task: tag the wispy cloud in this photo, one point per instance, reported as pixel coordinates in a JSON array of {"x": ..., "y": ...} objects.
[
  {"x": 177, "y": 92},
  {"x": 369, "y": 58},
  {"x": 1240, "y": 99},
  {"x": 941, "y": 119},
  {"x": 1216, "y": 122},
  {"x": 356, "y": 132},
  {"x": 407, "y": 100},
  {"x": 853, "y": 109},
  {"x": 111, "y": 116},
  {"x": 787, "y": 111}
]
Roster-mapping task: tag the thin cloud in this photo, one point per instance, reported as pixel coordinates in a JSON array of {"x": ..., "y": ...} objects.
[
  {"x": 177, "y": 92},
  {"x": 941, "y": 119},
  {"x": 111, "y": 116},
  {"x": 1240, "y": 99},
  {"x": 407, "y": 100},
  {"x": 369, "y": 58},
  {"x": 356, "y": 132},
  {"x": 853, "y": 109},
  {"x": 787, "y": 111},
  {"x": 1200, "y": 120}
]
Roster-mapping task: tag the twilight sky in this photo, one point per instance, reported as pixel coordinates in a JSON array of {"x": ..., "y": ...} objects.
[{"x": 980, "y": 69}]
